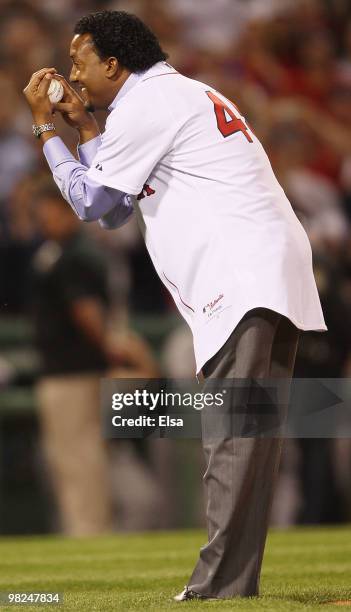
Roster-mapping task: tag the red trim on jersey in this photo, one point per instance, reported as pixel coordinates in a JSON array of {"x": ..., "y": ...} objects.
[
  {"x": 158, "y": 75},
  {"x": 180, "y": 297}
]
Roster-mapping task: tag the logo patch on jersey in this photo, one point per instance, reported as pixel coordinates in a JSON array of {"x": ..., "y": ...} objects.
[
  {"x": 146, "y": 191},
  {"x": 210, "y": 307},
  {"x": 98, "y": 167}
]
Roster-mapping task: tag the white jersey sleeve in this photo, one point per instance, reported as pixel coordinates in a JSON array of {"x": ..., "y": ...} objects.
[{"x": 139, "y": 132}]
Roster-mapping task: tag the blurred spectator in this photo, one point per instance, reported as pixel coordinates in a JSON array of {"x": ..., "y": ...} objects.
[
  {"x": 316, "y": 199},
  {"x": 17, "y": 155},
  {"x": 70, "y": 302},
  {"x": 178, "y": 354},
  {"x": 70, "y": 307},
  {"x": 209, "y": 25},
  {"x": 344, "y": 63}
]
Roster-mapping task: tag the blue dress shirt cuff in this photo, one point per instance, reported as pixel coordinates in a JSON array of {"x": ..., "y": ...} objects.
[{"x": 88, "y": 150}]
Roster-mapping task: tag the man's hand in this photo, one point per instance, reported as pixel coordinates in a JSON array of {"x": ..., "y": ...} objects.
[
  {"x": 36, "y": 94},
  {"x": 74, "y": 112}
]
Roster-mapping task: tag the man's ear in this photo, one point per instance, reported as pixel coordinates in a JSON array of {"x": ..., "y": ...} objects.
[{"x": 113, "y": 67}]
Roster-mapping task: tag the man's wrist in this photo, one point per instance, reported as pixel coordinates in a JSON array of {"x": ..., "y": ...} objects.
[
  {"x": 87, "y": 133},
  {"x": 45, "y": 136},
  {"x": 42, "y": 118}
]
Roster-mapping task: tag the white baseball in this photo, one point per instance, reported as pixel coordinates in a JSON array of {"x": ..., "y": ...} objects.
[{"x": 55, "y": 91}]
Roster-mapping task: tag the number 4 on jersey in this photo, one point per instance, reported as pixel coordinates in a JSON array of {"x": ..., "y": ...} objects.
[{"x": 235, "y": 124}]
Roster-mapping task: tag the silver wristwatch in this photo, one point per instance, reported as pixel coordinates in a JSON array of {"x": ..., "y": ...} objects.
[{"x": 45, "y": 127}]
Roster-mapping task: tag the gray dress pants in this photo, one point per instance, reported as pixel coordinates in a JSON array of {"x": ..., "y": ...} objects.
[{"x": 241, "y": 471}]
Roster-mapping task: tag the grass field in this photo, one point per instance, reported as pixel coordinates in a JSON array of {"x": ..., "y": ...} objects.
[{"x": 304, "y": 569}]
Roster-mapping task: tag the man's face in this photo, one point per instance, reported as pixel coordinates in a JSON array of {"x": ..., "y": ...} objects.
[{"x": 90, "y": 73}]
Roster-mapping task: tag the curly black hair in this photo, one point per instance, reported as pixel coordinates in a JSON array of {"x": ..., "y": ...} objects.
[{"x": 124, "y": 36}]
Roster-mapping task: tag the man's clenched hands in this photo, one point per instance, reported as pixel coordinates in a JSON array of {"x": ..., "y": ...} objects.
[
  {"x": 71, "y": 107},
  {"x": 36, "y": 94},
  {"x": 74, "y": 112}
]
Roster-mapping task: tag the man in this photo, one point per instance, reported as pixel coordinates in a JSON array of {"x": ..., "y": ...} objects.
[
  {"x": 70, "y": 300},
  {"x": 70, "y": 308},
  {"x": 221, "y": 234}
]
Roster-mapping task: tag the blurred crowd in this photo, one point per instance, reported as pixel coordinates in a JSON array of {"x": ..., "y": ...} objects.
[{"x": 287, "y": 66}]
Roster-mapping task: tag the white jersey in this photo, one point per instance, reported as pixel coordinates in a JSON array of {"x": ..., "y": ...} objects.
[{"x": 219, "y": 229}]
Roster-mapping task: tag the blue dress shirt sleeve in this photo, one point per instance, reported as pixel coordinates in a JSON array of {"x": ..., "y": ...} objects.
[
  {"x": 90, "y": 200},
  {"x": 88, "y": 150}
]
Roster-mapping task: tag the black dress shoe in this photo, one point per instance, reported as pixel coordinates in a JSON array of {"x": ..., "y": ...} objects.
[{"x": 189, "y": 594}]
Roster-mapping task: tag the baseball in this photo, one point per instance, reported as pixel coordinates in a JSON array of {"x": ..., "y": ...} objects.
[{"x": 55, "y": 91}]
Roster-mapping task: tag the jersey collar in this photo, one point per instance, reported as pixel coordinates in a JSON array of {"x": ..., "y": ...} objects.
[
  {"x": 157, "y": 70},
  {"x": 134, "y": 78}
]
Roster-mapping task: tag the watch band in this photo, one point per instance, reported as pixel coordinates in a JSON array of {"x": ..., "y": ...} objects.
[{"x": 45, "y": 127}]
